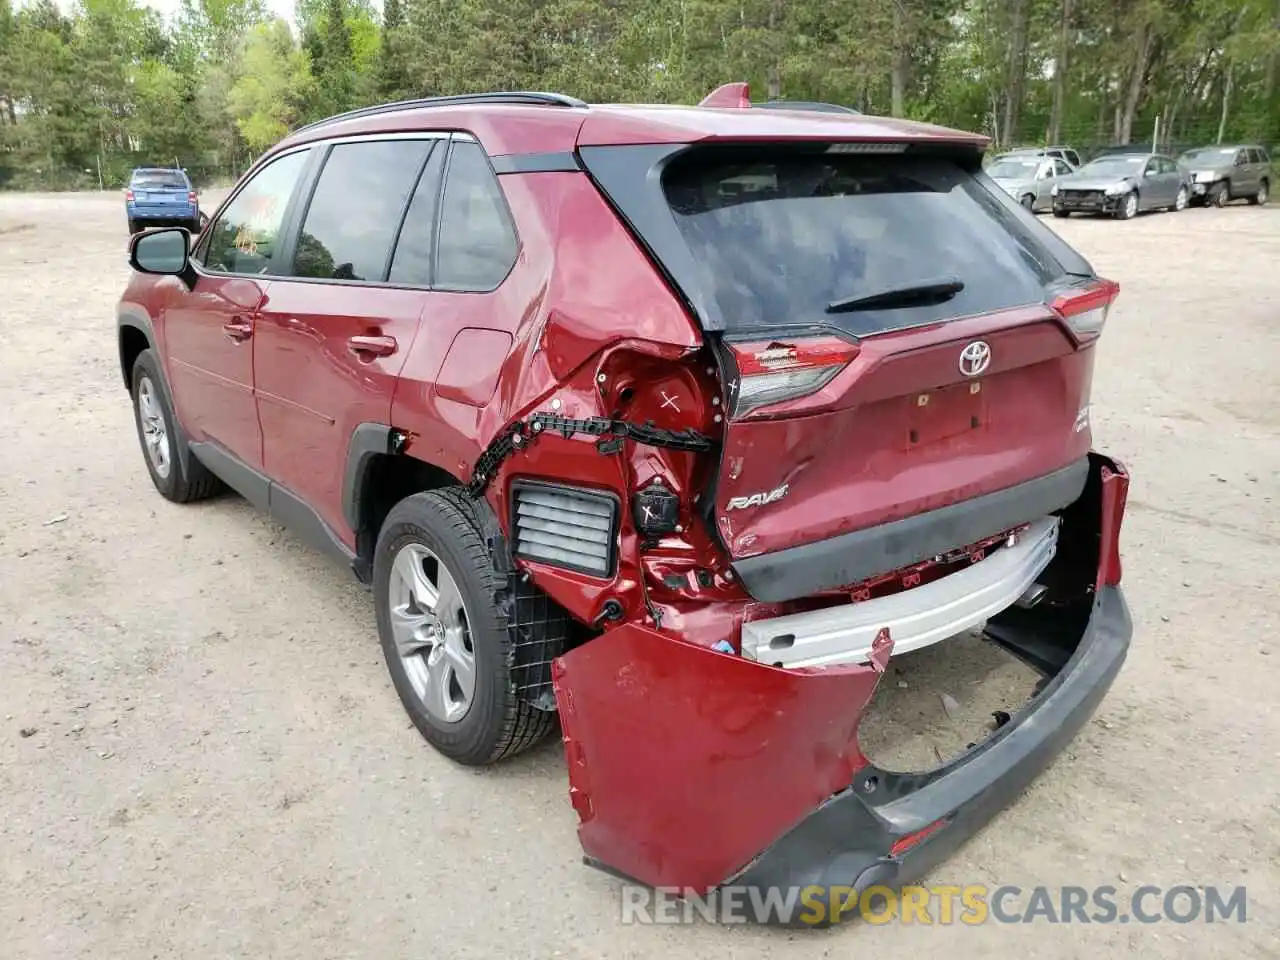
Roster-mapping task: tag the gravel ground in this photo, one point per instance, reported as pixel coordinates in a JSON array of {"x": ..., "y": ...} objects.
[{"x": 201, "y": 755}]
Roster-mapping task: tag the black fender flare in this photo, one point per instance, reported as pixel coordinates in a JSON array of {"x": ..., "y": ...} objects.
[
  {"x": 368, "y": 440},
  {"x": 134, "y": 316}
]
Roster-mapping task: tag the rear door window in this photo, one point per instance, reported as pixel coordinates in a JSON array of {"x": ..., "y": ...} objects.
[
  {"x": 356, "y": 209},
  {"x": 159, "y": 180},
  {"x": 776, "y": 239}
]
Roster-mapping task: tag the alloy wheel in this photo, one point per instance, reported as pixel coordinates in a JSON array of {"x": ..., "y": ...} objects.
[
  {"x": 1180, "y": 203},
  {"x": 432, "y": 632},
  {"x": 155, "y": 435},
  {"x": 1130, "y": 205}
]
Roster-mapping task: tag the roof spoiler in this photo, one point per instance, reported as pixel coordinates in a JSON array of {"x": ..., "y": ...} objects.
[{"x": 733, "y": 96}]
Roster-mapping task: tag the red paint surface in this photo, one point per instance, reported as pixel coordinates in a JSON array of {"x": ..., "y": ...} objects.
[
  {"x": 313, "y": 391},
  {"x": 685, "y": 763},
  {"x": 470, "y": 371},
  {"x": 866, "y": 449}
]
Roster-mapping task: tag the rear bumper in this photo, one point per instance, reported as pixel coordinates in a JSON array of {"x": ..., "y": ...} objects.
[
  {"x": 853, "y": 557},
  {"x": 847, "y": 844},
  {"x": 175, "y": 214},
  {"x": 915, "y": 618}
]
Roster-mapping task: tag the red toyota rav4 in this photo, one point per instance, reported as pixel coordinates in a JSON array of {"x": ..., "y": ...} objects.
[{"x": 675, "y": 422}]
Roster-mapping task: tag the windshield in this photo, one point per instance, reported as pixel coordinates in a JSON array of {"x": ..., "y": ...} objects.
[
  {"x": 1114, "y": 166},
  {"x": 1211, "y": 155},
  {"x": 1014, "y": 169},
  {"x": 159, "y": 180},
  {"x": 774, "y": 240}
]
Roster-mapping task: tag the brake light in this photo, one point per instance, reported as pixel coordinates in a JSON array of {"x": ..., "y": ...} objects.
[
  {"x": 128, "y": 194},
  {"x": 1085, "y": 311},
  {"x": 771, "y": 372},
  {"x": 191, "y": 196}
]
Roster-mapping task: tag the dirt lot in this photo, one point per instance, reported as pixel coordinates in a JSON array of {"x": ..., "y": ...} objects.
[{"x": 219, "y": 766}]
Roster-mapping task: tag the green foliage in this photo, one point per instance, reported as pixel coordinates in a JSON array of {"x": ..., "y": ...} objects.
[
  {"x": 88, "y": 94},
  {"x": 274, "y": 84}
]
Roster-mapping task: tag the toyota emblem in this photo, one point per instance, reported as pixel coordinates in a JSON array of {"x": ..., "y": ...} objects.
[{"x": 975, "y": 358}]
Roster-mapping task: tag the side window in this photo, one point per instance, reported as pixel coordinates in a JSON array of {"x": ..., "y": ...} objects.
[
  {"x": 1073, "y": 158},
  {"x": 411, "y": 263},
  {"x": 1060, "y": 169},
  {"x": 1241, "y": 158},
  {"x": 244, "y": 237},
  {"x": 355, "y": 210},
  {"x": 477, "y": 245}
]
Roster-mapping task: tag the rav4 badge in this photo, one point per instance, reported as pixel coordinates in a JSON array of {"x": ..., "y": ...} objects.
[{"x": 757, "y": 499}]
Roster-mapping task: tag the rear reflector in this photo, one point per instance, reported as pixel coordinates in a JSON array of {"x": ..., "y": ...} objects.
[
  {"x": 903, "y": 844},
  {"x": 772, "y": 372},
  {"x": 1115, "y": 496},
  {"x": 1086, "y": 310}
]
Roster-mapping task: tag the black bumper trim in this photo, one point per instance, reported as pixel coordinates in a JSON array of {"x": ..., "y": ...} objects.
[
  {"x": 851, "y": 557},
  {"x": 846, "y": 842}
]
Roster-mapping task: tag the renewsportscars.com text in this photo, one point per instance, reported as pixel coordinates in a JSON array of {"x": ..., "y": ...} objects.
[{"x": 942, "y": 904}]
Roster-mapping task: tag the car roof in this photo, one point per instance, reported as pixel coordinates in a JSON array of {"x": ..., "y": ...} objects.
[
  {"x": 521, "y": 122},
  {"x": 177, "y": 170}
]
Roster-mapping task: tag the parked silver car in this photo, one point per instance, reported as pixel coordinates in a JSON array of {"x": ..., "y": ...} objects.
[
  {"x": 1061, "y": 153},
  {"x": 1222, "y": 174},
  {"x": 1029, "y": 179},
  {"x": 1122, "y": 185}
]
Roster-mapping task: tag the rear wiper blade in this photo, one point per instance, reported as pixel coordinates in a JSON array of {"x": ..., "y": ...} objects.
[{"x": 915, "y": 294}]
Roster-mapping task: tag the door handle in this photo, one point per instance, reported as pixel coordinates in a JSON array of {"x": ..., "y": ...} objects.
[
  {"x": 238, "y": 329},
  {"x": 366, "y": 348}
]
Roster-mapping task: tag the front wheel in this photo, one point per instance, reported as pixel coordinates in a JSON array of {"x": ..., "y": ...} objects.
[
  {"x": 154, "y": 417},
  {"x": 446, "y": 643},
  {"x": 1261, "y": 196},
  {"x": 1219, "y": 195},
  {"x": 1128, "y": 208}
]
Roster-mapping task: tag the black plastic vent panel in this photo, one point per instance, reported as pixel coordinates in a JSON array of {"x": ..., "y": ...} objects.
[{"x": 566, "y": 526}]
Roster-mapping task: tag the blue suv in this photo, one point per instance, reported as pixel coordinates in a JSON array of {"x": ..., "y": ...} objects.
[{"x": 161, "y": 196}]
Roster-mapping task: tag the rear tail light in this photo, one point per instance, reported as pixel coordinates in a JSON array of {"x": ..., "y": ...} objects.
[
  {"x": 1085, "y": 311},
  {"x": 772, "y": 372},
  {"x": 128, "y": 194},
  {"x": 191, "y": 196}
]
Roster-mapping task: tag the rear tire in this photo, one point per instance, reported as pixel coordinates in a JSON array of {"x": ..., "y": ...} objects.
[
  {"x": 133, "y": 226},
  {"x": 153, "y": 416},
  {"x": 1028, "y": 202},
  {"x": 1261, "y": 197},
  {"x": 431, "y": 543},
  {"x": 1180, "y": 202},
  {"x": 1061, "y": 213}
]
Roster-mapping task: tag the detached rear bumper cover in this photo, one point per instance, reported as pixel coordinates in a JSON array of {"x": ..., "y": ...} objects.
[
  {"x": 847, "y": 841},
  {"x": 695, "y": 769}
]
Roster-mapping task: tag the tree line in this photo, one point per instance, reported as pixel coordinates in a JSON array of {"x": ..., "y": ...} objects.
[{"x": 87, "y": 95}]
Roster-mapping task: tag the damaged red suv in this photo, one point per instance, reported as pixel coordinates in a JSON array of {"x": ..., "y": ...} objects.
[{"x": 675, "y": 423}]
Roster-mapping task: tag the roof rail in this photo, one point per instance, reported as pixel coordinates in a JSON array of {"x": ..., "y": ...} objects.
[
  {"x": 810, "y": 106},
  {"x": 526, "y": 97}
]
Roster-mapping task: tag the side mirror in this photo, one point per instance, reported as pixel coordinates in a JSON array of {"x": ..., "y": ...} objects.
[{"x": 162, "y": 252}]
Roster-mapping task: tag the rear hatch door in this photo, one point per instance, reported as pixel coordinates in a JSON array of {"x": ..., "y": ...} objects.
[{"x": 891, "y": 341}]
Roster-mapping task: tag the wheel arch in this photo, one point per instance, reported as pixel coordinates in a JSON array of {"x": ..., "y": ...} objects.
[
  {"x": 134, "y": 333},
  {"x": 378, "y": 475}
]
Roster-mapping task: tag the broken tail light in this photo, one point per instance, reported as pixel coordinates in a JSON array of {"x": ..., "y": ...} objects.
[
  {"x": 772, "y": 372},
  {"x": 1085, "y": 311}
]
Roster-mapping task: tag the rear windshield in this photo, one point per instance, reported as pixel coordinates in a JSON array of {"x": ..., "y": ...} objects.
[
  {"x": 159, "y": 179},
  {"x": 777, "y": 239}
]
